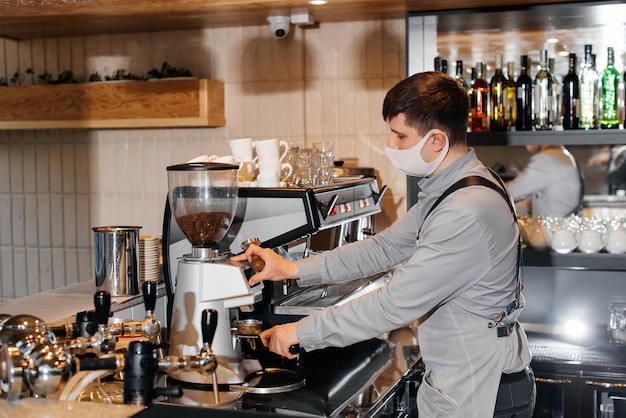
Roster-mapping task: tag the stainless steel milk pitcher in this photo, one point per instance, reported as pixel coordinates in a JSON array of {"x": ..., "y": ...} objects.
[{"x": 116, "y": 259}]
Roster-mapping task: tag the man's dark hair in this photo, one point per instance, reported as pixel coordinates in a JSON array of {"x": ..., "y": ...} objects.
[{"x": 430, "y": 100}]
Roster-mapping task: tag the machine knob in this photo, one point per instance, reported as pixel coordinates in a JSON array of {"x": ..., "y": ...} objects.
[
  {"x": 149, "y": 289},
  {"x": 102, "y": 302},
  {"x": 209, "y": 325}
]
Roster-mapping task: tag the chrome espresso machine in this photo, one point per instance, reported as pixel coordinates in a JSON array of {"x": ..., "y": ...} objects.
[{"x": 288, "y": 220}]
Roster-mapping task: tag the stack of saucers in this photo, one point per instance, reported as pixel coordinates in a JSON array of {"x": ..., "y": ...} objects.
[{"x": 150, "y": 257}]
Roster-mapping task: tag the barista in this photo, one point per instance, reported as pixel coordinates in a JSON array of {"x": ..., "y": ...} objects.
[
  {"x": 456, "y": 269},
  {"x": 550, "y": 185}
]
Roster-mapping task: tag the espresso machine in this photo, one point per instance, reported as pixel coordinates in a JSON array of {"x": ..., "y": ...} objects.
[
  {"x": 203, "y": 199},
  {"x": 285, "y": 219}
]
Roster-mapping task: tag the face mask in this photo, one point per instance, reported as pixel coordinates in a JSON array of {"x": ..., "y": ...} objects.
[{"x": 410, "y": 161}]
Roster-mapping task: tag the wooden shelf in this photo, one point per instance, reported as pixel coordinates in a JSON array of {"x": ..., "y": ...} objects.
[
  {"x": 571, "y": 137},
  {"x": 131, "y": 104},
  {"x": 575, "y": 260}
]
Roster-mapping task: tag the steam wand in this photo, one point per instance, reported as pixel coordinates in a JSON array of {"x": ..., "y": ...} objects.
[{"x": 82, "y": 333}]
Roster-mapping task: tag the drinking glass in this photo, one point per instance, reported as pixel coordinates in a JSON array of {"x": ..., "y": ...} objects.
[
  {"x": 323, "y": 163},
  {"x": 303, "y": 171}
]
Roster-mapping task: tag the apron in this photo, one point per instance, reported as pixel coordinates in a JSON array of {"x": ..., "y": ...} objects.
[
  {"x": 464, "y": 361},
  {"x": 465, "y": 355}
]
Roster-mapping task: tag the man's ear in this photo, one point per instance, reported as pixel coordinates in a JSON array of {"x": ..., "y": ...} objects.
[{"x": 439, "y": 140}]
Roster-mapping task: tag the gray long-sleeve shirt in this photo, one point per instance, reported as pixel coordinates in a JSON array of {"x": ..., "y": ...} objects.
[
  {"x": 551, "y": 181},
  {"x": 467, "y": 253}
]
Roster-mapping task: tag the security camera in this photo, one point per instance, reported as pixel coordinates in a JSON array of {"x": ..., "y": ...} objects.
[{"x": 279, "y": 25}]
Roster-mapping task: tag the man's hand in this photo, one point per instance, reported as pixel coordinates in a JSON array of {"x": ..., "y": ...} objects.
[
  {"x": 276, "y": 268},
  {"x": 280, "y": 338}
]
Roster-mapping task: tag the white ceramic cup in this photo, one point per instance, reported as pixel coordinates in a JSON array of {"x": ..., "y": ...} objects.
[
  {"x": 616, "y": 242},
  {"x": 269, "y": 149},
  {"x": 283, "y": 170},
  {"x": 564, "y": 240},
  {"x": 592, "y": 240},
  {"x": 227, "y": 159},
  {"x": 268, "y": 178},
  {"x": 242, "y": 148},
  {"x": 247, "y": 171}
]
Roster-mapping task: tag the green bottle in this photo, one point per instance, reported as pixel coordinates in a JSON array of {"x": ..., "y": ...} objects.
[{"x": 610, "y": 81}]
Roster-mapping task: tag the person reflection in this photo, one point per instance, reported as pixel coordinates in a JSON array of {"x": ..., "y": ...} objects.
[{"x": 550, "y": 185}]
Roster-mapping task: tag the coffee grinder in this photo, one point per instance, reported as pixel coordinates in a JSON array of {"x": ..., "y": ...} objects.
[{"x": 203, "y": 199}]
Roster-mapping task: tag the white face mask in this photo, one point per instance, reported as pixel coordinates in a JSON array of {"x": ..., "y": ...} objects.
[{"x": 410, "y": 161}]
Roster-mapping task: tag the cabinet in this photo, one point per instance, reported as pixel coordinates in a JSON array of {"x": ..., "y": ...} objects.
[{"x": 132, "y": 104}]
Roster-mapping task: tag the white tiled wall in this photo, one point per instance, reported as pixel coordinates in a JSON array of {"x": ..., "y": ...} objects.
[{"x": 322, "y": 83}]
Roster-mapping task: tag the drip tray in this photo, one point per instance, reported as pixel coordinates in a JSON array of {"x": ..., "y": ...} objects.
[{"x": 315, "y": 298}]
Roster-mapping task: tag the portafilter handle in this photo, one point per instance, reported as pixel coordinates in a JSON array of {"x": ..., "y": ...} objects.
[
  {"x": 209, "y": 326},
  {"x": 149, "y": 289},
  {"x": 102, "y": 303}
]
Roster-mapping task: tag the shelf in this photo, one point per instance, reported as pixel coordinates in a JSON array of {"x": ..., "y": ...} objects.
[
  {"x": 573, "y": 137},
  {"x": 132, "y": 104},
  {"x": 575, "y": 260}
]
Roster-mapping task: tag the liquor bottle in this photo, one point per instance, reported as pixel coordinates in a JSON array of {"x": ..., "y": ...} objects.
[
  {"x": 524, "y": 98},
  {"x": 510, "y": 94},
  {"x": 444, "y": 66},
  {"x": 571, "y": 96},
  {"x": 459, "y": 75},
  {"x": 497, "y": 98},
  {"x": 438, "y": 64},
  {"x": 589, "y": 88},
  {"x": 610, "y": 82},
  {"x": 479, "y": 101},
  {"x": 556, "y": 93},
  {"x": 543, "y": 95}
]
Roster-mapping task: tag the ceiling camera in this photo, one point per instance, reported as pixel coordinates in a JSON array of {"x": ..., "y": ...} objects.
[{"x": 279, "y": 25}]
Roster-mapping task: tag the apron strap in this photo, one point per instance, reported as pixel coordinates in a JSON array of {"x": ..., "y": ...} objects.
[{"x": 482, "y": 181}]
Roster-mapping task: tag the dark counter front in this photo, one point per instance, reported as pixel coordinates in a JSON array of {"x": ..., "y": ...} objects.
[{"x": 578, "y": 380}]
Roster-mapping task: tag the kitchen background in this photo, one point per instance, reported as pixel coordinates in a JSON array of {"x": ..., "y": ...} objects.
[{"x": 322, "y": 83}]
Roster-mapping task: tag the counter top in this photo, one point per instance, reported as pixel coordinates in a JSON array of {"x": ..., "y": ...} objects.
[
  {"x": 59, "y": 306},
  {"x": 45, "y": 408}
]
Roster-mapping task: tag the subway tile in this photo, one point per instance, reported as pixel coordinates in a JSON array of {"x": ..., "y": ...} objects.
[
  {"x": 44, "y": 228},
  {"x": 42, "y": 165},
  {"x": 33, "y": 284},
  {"x": 30, "y": 220},
  {"x": 68, "y": 161},
  {"x": 16, "y": 163},
  {"x": 56, "y": 220},
  {"x": 28, "y": 165},
  {"x": 69, "y": 220},
  {"x": 58, "y": 268},
  {"x": 82, "y": 164},
  {"x": 17, "y": 220},
  {"x": 6, "y": 223},
  {"x": 83, "y": 221},
  {"x": 7, "y": 272},
  {"x": 71, "y": 266},
  {"x": 86, "y": 270},
  {"x": 5, "y": 168},
  {"x": 19, "y": 272},
  {"x": 55, "y": 159},
  {"x": 45, "y": 269}
]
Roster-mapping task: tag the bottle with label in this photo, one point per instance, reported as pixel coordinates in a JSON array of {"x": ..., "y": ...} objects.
[
  {"x": 444, "y": 66},
  {"x": 543, "y": 95},
  {"x": 571, "y": 96},
  {"x": 610, "y": 88},
  {"x": 556, "y": 93},
  {"x": 479, "y": 101},
  {"x": 524, "y": 98},
  {"x": 589, "y": 93},
  {"x": 459, "y": 75},
  {"x": 437, "y": 64},
  {"x": 510, "y": 94},
  {"x": 497, "y": 98}
]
